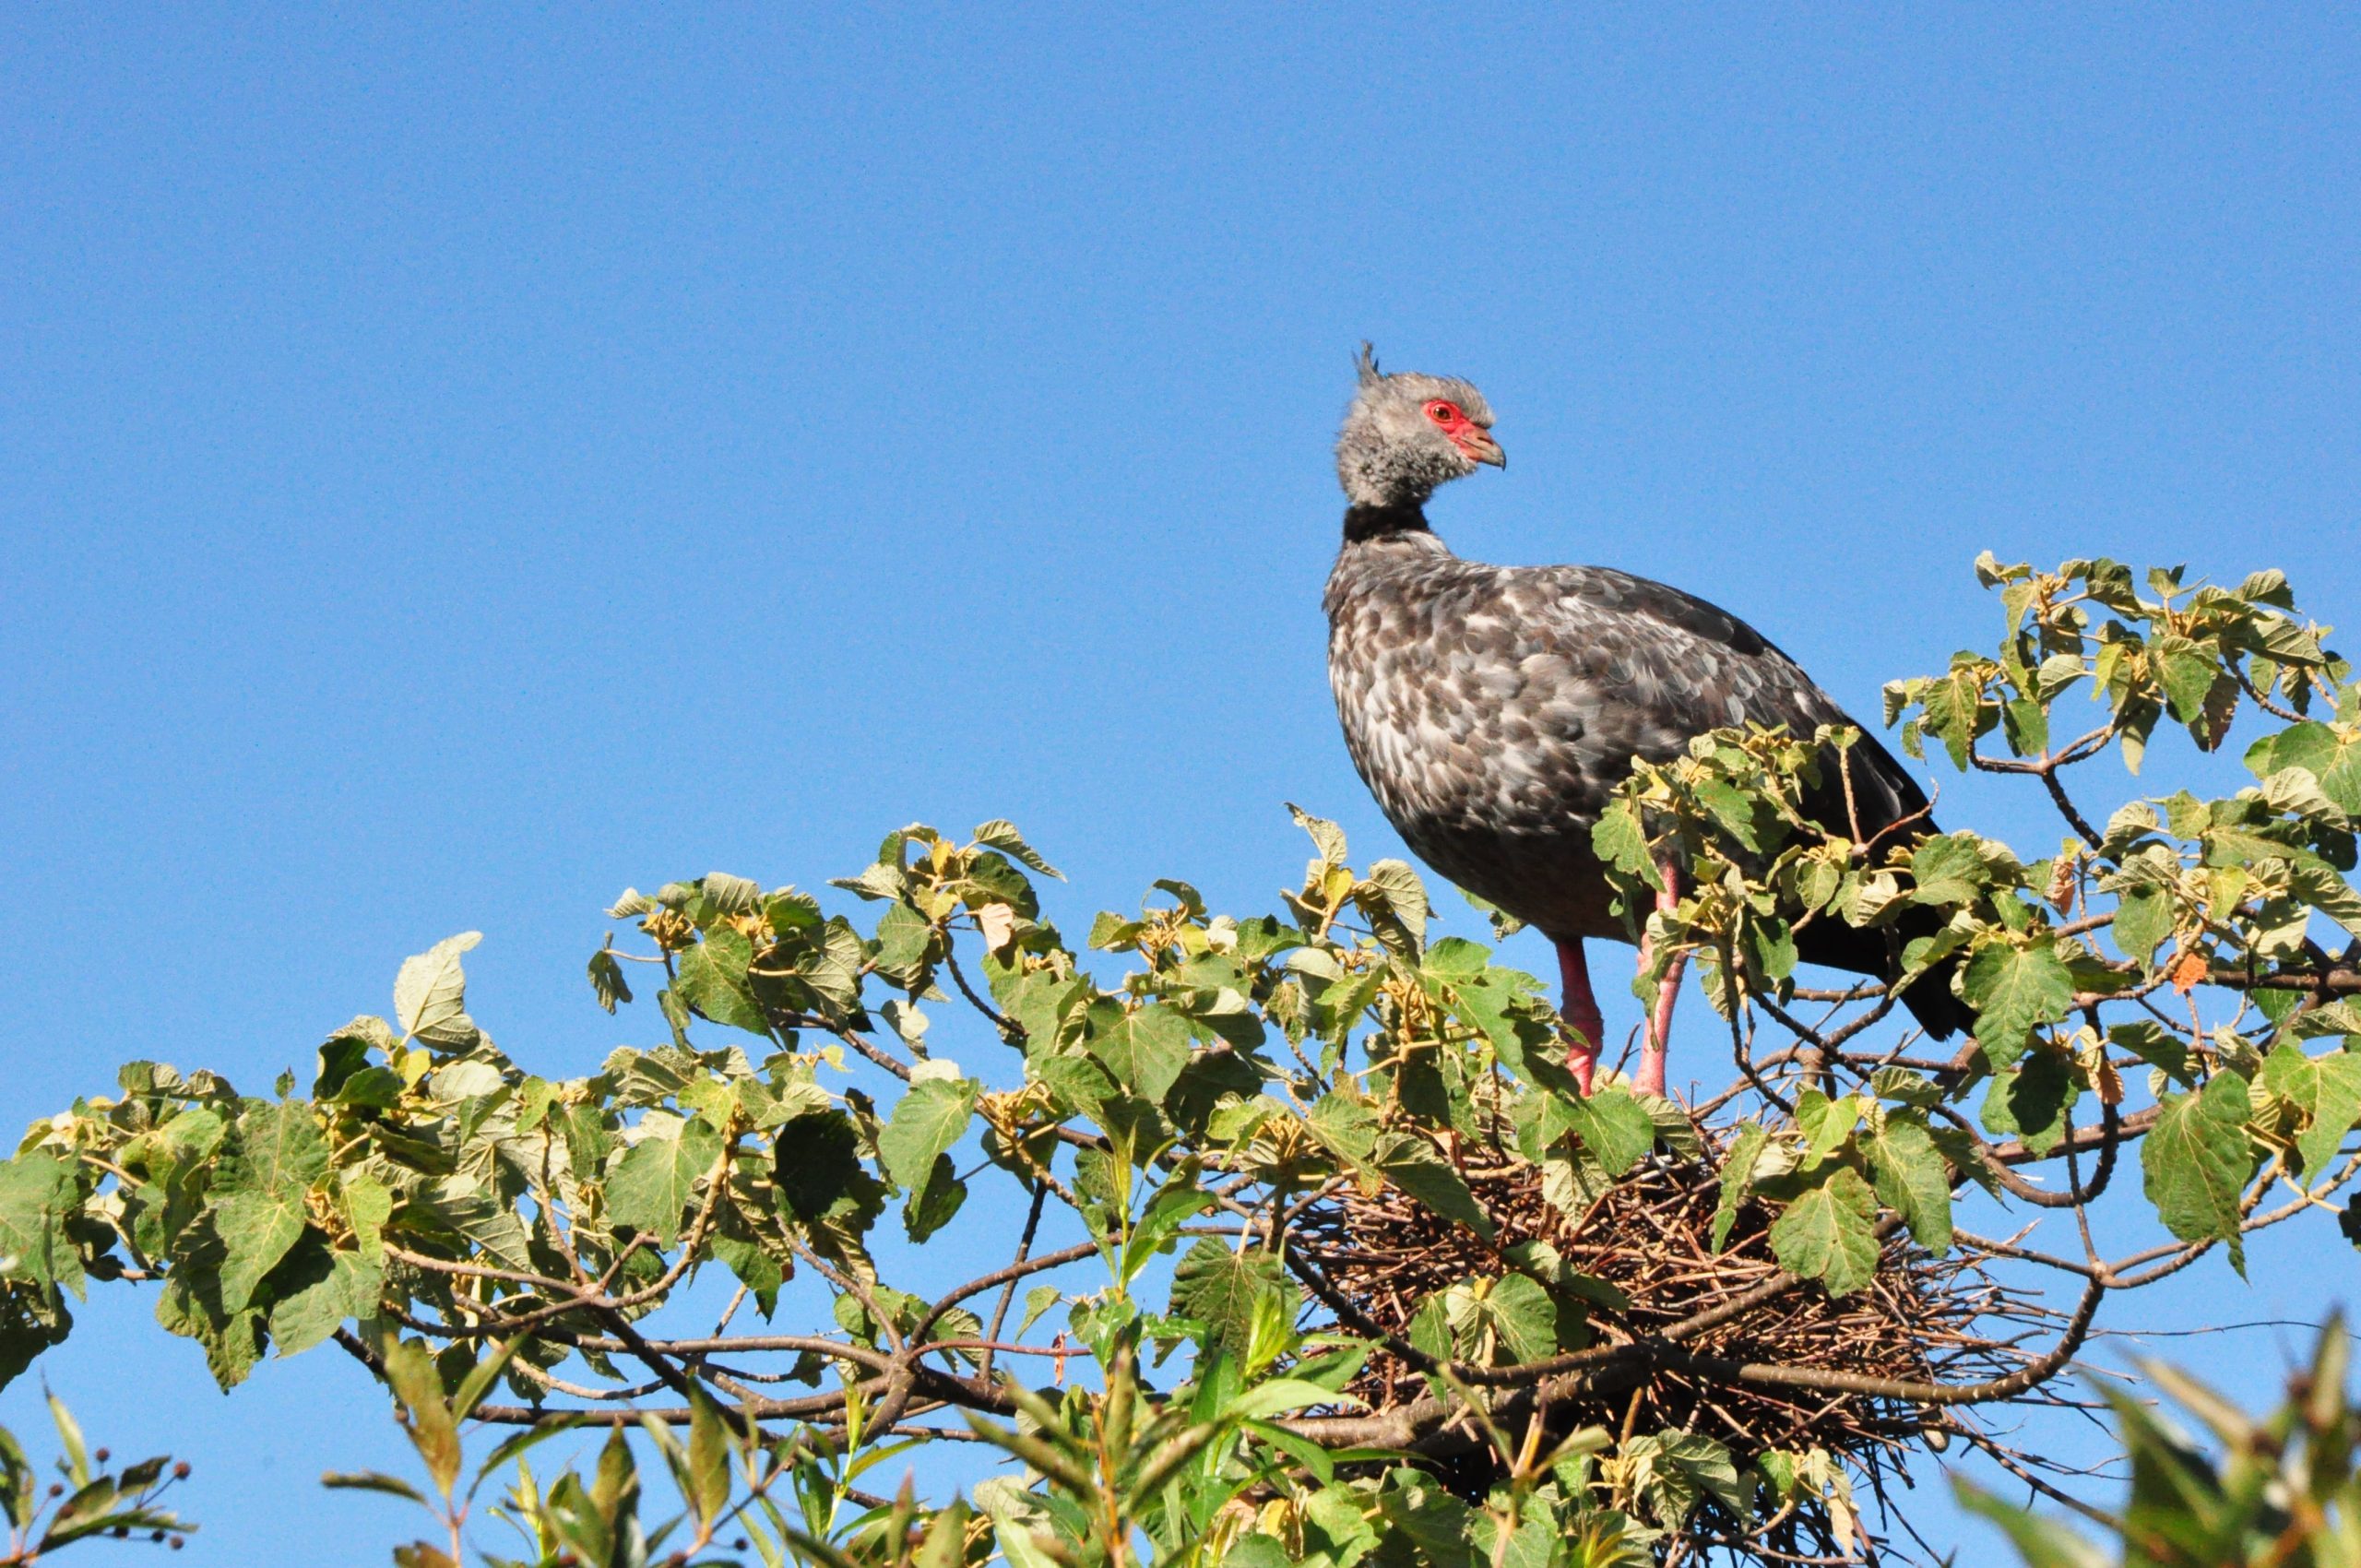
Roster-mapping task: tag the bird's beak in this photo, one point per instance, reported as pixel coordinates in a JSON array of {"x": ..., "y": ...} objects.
[{"x": 1480, "y": 447}]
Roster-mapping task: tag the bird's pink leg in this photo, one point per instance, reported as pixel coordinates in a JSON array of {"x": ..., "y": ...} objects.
[
  {"x": 1580, "y": 1010},
  {"x": 1651, "y": 1076}
]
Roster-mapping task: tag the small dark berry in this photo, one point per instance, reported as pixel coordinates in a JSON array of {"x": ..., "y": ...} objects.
[
  {"x": 155, "y": 1535},
  {"x": 102, "y": 1456},
  {"x": 180, "y": 1471},
  {"x": 122, "y": 1532},
  {"x": 57, "y": 1489}
]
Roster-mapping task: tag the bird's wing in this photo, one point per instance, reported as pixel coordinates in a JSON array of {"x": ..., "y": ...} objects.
[{"x": 1650, "y": 666}]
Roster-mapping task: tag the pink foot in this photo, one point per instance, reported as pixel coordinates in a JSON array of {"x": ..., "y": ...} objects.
[
  {"x": 1650, "y": 1078},
  {"x": 1580, "y": 1010}
]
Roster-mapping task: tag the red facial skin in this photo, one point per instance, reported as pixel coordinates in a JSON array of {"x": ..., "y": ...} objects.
[{"x": 1474, "y": 443}]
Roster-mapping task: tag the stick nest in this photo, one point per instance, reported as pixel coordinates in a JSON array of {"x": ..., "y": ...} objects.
[{"x": 1922, "y": 1319}]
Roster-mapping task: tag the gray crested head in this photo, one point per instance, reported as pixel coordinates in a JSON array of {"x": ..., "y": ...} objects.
[{"x": 1406, "y": 433}]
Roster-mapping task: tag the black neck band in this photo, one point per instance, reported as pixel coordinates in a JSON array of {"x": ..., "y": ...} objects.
[{"x": 1363, "y": 523}]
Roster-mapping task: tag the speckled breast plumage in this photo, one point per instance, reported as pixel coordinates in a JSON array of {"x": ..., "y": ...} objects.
[{"x": 1492, "y": 710}]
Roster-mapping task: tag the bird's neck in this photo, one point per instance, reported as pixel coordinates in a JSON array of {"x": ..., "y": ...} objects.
[{"x": 1365, "y": 521}]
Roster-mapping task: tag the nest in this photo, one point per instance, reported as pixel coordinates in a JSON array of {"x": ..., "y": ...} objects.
[{"x": 1923, "y": 1320}]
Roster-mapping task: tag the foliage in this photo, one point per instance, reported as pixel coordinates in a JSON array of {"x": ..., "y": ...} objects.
[
  {"x": 89, "y": 1502},
  {"x": 2281, "y": 1492},
  {"x": 1169, "y": 1103}
]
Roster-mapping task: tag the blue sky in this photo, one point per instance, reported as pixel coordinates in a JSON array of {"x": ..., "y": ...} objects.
[{"x": 454, "y": 464}]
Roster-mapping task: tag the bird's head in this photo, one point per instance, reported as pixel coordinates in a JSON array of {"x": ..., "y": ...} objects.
[{"x": 1406, "y": 434}]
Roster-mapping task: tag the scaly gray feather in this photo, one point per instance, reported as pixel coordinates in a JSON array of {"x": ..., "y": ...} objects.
[{"x": 1492, "y": 710}]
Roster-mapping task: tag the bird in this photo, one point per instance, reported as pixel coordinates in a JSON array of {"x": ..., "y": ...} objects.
[{"x": 1493, "y": 710}]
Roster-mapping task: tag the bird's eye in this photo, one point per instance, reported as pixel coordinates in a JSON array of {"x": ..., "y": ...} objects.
[{"x": 1443, "y": 414}]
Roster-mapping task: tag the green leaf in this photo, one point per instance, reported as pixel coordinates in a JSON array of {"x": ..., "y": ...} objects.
[
  {"x": 1394, "y": 893},
  {"x": 69, "y": 1437},
  {"x": 1280, "y": 1395},
  {"x": 2142, "y": 920},
  {"x": 1326, "y": 836},
  {"x": 1018, "y": 1517},
  {"x": 903, "y": 936},
  {"x": 2187, "y": 674},
  {"x": 1438, "y": 1523},
  {"x": 1181, "y": 1199},
  {"x": 1732, "y": 808},
  {"x": 607, "y": 980},
  {"x": 1077, "y": 1081},
  {"x": 729, "y": 896},
  {"x": 2152, "y": 1044},
  {"x": 345, "y": 1053},
  {"x": 1255, "y": 1550},
  {"x": 632, "y": 904},
  {"x": 481, "y": 1376},
  {"x": 410, "y": 1372},
  {"x": 2041, "y": 1543},
  {"x": 1144, "y": 1050},
  {"x": 1039, "y": 1299},
  {"x": 1825, "y": 1124},
  {"x": 1571, "y": 1186},
  {"x": 476, "y": 1214},
  {"x": 275, "y": 1155},
  {"x": 1497, "y": 1004},
  {"x": 2310, "y": 745},
  {"x": 1675, "y": 1471},
  {"x": 2324, "y": 890},
  {"x": 2013, "y": 991},
  {"x": 1002, "y": 834},
  {"x": 788, "y": 911},
  {"x": 2341, "y": 777},
  {"x": 709, "y": 1449},
  {"x": 1957, "y": 713},
  {"x": 656, "y": 1179},
  {"x": 1456, "y": 958},
  {"x": 2332, "y": 1018},
  {"x": 1948, "y": 869},
  {"x": 316, "y": 1288},
  {"x": 713, "y": 980},
  {"x": 233, "y": 1341},
  {"x": 930, "y": 1117},
  {"x": 2327, "y": 1089},
  {"x": 2195, "y": 1161},
  {"x": 1345, "y": 1126},
  {"x": 1219, "y": 1287},
  {"x": 1302, "y": 1450},
  {"x": 2032, "y": 1100},
  {"x": 1619, "y": 840},
  {"x": 1042, "y": 1005},
  {"x": 276, "y": 1147},
  {"x": 2295, "y": 793},
  {"x": 1906, "y": 1087},
  {"x": 372, "y": 1481},
  {"x": 936, "y": 1202},
  {"x": 1337, "y": 1513},
  {"x": 1912, "y": 1177},
  {"x": 1523, "y": 1317},
  {"x": 38, "y": 1194},
  {"x": 1613, "y": 1125},
  {"x": 2027, "y": 724},
  {"x": 1829, "y": 1233},
  {"x": 1411, "y": 1164},
  {"x": 1738, "y": 1174},
  {"x": 430, "y": 992}
]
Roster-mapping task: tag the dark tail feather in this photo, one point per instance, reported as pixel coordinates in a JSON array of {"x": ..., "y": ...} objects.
[{"x": 1929, "y": 999}]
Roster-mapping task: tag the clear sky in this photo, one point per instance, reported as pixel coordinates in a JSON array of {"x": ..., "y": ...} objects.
[{"x": 456, "y": 463}]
